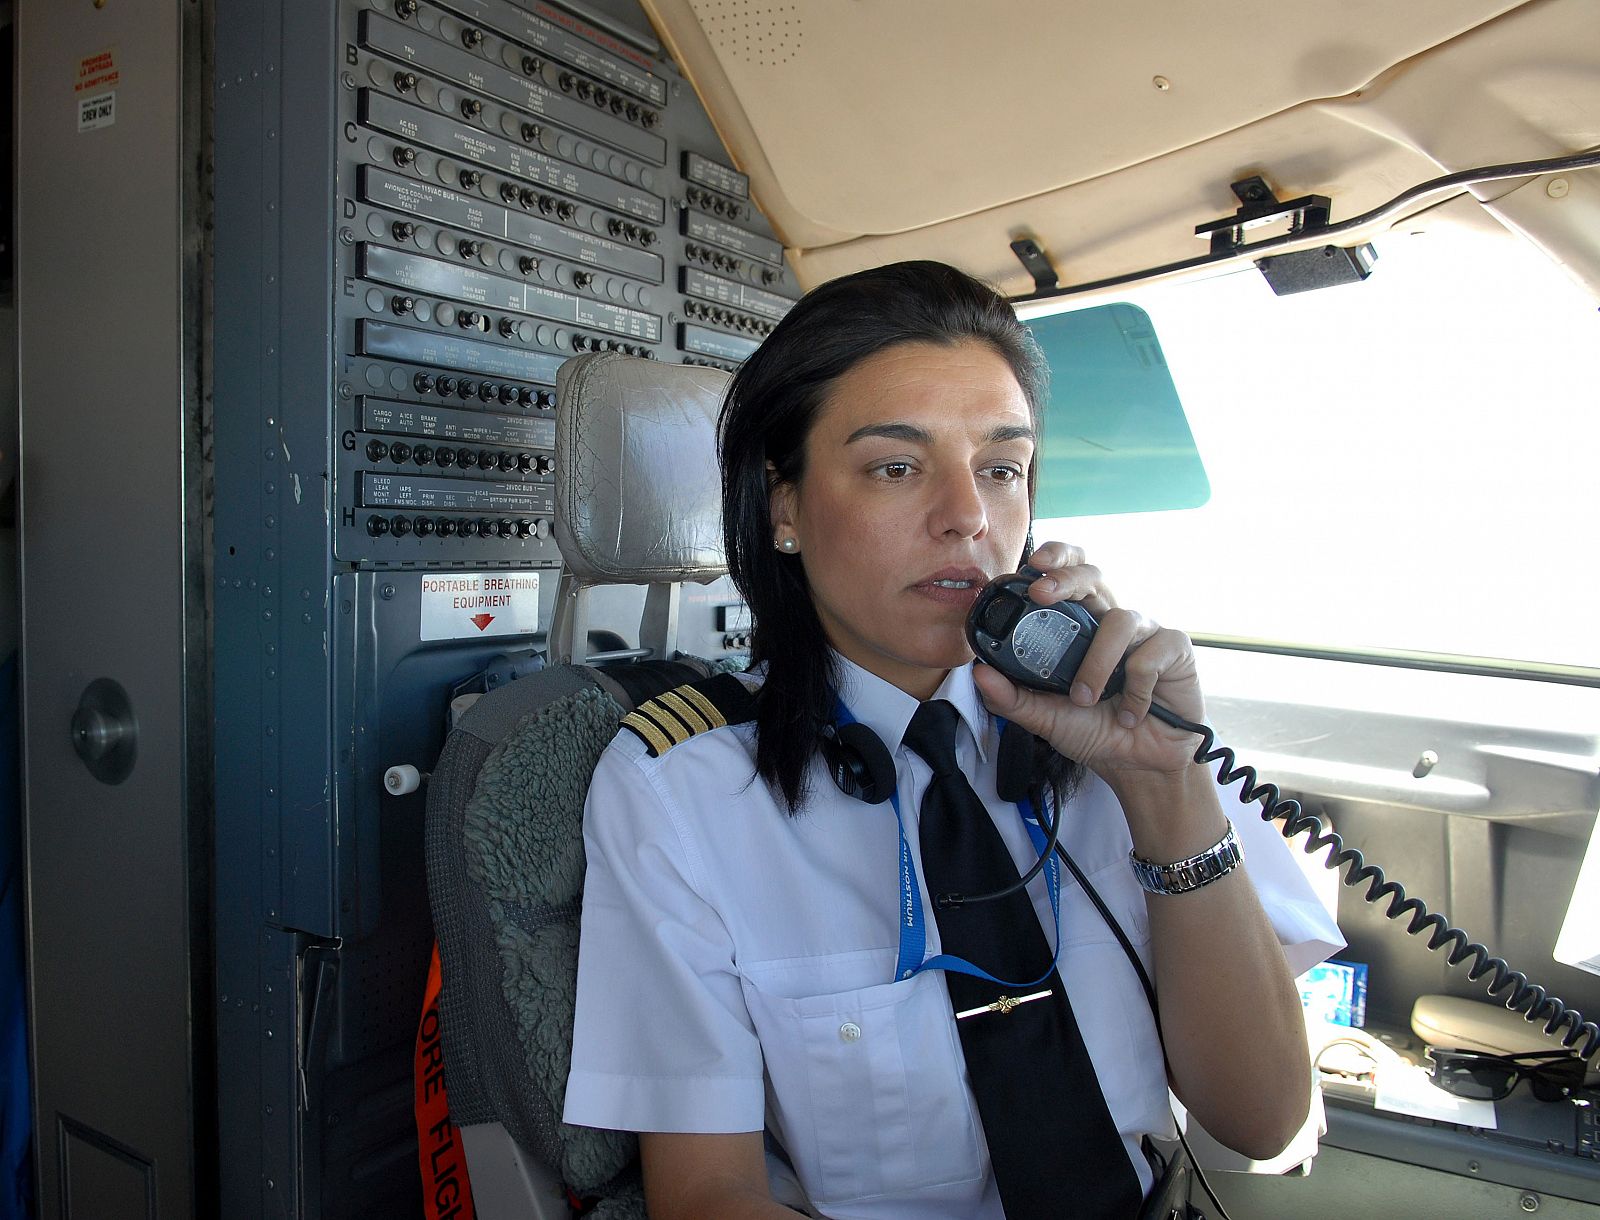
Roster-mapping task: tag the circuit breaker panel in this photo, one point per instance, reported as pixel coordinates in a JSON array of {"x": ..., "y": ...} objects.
[
  {"x": 422, "y": 209},
  {"x": 513, "y": 192}
]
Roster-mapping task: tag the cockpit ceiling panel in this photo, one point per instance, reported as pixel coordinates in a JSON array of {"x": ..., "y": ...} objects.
[{"x": 862, "y": 117}]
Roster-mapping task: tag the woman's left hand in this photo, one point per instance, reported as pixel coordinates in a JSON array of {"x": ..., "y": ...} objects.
[{"x": 1118, "y": 734}]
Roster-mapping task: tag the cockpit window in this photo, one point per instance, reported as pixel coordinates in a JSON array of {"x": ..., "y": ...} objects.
[{"x": 1406, "y": 463}]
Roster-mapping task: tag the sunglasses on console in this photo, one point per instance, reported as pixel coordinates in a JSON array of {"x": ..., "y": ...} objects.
[{"x": 1552, "y": 1075}]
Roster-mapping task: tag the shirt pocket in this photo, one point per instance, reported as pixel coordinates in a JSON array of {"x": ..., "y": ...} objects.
[{"x": 866, "y": 1089}]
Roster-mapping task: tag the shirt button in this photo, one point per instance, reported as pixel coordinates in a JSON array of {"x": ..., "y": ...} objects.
[{"x": 849, "y": 1032}]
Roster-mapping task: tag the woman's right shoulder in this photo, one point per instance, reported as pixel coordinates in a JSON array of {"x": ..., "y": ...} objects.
[{"x": 690, "y": 732}]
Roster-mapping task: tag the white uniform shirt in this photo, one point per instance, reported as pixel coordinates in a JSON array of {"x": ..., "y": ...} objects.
[{"x": 736, "y": 964}]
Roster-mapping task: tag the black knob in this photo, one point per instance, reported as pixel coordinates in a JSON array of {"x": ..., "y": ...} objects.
[
  {"x": 466, "y": 387},
  {"x": 376, "y": 450},
  {"x": 527, "y": 265},
  {"x": 508, "y": 193},
  {"x": 508, "y": 462},
  {"x": 525, "y": 462},
  {"x": 402, "y": 305},
  {"x": 505, "y": 527},
  {"x": 602, "y": 96},
  {"x": 530, "y": 133},
  {"x": 524, "y": 397},
  {"x": 583, "y": 278},
  {"x": 424, "y": 527},
  {"x": 399, "y": 452},
  {"x": 422, "y": 383},
  {"x": 546, "y": 204},
  {"x": 422, "y": 454},
  {"x": 633, "y": 112},
  {"x": 447, "y": 527},
  {"x": 614, "y": 227},
  {"x": 566, "y": 210},
  {"x": 471, "y": 319},
  {"x": 530, "y": 66},
  {"x": 405, "y": 82},
  {"x": 616, "y": 104},
  {"x": 528, "y": 197},
  {"x": 769, "y": 276},
  {"x": 471, "y": 108},
  {"x": 545, "y": 464},
  {"x": 472, "y": 37},
  {"x": 446, "y": 386},
  {"x": 580, "y": 343},
  {"x": 488, "y": 459},
  {"x": 488, "y": 392},
  {"x": 400, "y": 526},
  {"x": 469, "y": 248},
  {"x": 377, "y": 526},
  {"x": 470, "y": 178},
  {"x": 468, "y": 528},
  {"x": 547, "y": 398},
  {"x": 444, "y": 457},
  {"x": 524, "y": 529},
  {"x": 405, "y": 9},
  {"x": 486, "y": 527},
  {"x": 647, "y": 237},
  {"x": 565, "y": 81},
  {"x": 650, "y": 118},
  {"x": 466, "y": 459},
  {"x": 403, "y": 230},
  {"x": 508, "y": 395},
  {"x": 405, "y": 157},
  {"x": 584, "y": 89},
  {"x": 508, "y": 327}
]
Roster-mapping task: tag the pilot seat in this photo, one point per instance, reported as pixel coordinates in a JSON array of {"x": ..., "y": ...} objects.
[{"x": 638, "y": 503}]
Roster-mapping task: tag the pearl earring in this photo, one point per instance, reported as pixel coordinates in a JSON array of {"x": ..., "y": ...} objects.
[{"x": 789, "y": 545}]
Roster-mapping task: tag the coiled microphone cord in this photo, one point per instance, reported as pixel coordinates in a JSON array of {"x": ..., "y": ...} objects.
[{"x": 1531, "y": 1000}]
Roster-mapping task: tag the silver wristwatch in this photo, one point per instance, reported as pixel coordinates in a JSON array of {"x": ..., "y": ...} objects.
[{"x": 1216, "y": 861}]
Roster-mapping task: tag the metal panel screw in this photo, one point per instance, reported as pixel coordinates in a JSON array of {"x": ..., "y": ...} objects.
[
  {"x": 387, "y": 593},
  {"x": 1558, "y": 188},
  {"x": 1529, "y": 1202}
]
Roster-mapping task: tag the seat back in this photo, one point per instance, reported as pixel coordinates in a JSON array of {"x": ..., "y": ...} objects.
[{"x": 503, "y": 832}]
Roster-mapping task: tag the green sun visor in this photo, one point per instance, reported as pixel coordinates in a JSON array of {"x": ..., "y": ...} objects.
[{"x": 1115, "y": 436}]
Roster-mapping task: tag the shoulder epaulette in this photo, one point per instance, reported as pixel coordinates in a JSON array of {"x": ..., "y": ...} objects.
[{"x": 674, "y": 716}]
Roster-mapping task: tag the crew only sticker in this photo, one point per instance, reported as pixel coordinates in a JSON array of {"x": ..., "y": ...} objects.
[
  {"x": 466, "y": 605},
  {"x": 95, "y": 90}
]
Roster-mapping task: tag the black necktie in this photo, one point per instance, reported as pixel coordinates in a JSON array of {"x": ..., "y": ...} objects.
[{"x": 1053, "y": 1145}]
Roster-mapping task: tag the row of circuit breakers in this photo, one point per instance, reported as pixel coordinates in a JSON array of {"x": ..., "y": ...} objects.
[{"x": 516, "y": 186}]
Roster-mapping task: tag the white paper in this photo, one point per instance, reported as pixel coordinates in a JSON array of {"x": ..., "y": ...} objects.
[{"x": 1404, "y": 1088}]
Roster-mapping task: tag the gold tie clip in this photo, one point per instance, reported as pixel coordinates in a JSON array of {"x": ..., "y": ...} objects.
[{"x": 1003, "y": 1004}]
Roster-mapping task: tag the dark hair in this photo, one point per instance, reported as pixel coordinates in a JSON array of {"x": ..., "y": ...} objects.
[{"x": 769, "y": 411}]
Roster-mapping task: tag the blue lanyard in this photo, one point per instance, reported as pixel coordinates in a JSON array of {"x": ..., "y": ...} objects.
[{"x": 913, "y": 933}]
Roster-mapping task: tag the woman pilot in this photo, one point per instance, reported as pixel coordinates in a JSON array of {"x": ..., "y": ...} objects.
[{"x": 774, "y": 989}]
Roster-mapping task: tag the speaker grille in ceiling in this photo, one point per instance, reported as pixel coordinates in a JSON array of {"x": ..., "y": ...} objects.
[{"x": 762, "y": 32}]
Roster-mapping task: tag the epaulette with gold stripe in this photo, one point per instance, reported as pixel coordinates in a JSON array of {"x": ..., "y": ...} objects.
[{"x": 674, "y": 716}]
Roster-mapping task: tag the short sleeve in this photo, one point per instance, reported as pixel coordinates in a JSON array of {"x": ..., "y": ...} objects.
[
  {"x": 662, "y": 1039},
  {"x": 1301, "y": 913}
]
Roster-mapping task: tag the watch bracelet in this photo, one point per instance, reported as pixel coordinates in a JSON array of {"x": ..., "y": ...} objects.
[{"x": 1185, "y": 876}]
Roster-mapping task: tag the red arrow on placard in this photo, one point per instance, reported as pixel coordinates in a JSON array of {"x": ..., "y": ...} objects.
[{"x": 480, "y": 621}]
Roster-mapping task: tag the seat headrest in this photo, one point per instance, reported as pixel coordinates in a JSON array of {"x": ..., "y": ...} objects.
[{"x": 638, "y": 492}]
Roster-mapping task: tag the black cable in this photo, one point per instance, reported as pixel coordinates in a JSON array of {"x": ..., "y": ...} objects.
[
  {"x": 1466, "y": 177},
  {"x": 1093, "y": 896},
  {"x": 945, "y": 902},
  {"x": 1531, "y": 1000}
]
